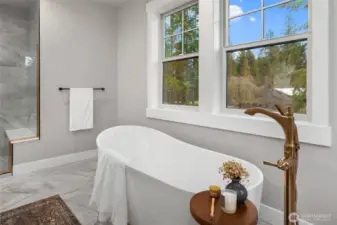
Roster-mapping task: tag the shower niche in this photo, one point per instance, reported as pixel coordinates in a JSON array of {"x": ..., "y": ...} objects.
[{"x": 19, "y": 76}]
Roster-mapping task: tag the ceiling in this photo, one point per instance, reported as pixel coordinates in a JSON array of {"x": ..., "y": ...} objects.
[
  {"x": 28, "y": 3},
  {"x": 116, "y": 2}
]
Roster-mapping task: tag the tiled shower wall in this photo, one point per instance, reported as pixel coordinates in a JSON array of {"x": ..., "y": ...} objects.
[{"x": 18, "y": 50}]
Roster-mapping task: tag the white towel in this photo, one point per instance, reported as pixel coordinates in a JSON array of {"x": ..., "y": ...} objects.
[
  {"x": 109, "y": 192},
  {"x": 81, "y": 109}
]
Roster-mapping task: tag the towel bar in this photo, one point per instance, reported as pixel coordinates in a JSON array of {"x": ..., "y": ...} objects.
[{"x": 67, "y": 89}]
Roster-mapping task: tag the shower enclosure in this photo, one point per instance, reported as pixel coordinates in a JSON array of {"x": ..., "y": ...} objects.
[{"x": 19, "y": 76}]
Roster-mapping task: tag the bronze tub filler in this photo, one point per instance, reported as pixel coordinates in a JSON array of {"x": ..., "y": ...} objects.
[{"x": 289, "y": 163}]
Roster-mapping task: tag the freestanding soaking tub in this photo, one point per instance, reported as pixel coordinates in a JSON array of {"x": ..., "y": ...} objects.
[{"x": 163, "y": 173}]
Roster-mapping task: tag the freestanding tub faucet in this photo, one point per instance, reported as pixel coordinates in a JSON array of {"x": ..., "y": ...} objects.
[{"x": 289, "y": 163}]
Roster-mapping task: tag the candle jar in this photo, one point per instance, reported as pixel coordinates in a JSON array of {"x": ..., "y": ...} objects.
[{"x": 228, "y": 200}]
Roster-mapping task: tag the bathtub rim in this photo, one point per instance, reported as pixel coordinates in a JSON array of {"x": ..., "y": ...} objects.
[{"x": 251, "y": 187}]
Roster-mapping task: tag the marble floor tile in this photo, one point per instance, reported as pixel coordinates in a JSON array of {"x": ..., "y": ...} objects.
[
  {"x": 261, "y": 222},
  {"x": 8, "y": 199},
  {"x": 33, "y": 198},
  {"x": 82, "y": 213},
  {"x": 67, "y": 182},
  {"x": 81, "y": 196},
  {"x": 31, "y": 184},
  {"x": 73, "y": 182}
]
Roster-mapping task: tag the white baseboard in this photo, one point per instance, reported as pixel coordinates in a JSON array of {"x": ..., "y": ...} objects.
[
  {"x": 275, "y": 216},
  {"x": 25, "y": 168}
]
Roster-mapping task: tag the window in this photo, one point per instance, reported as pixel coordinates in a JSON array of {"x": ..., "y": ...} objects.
[
  {"x": 234, "y": 54},
  {"x": 266, "y": 51},
  {"x": 180, "y": 58}
]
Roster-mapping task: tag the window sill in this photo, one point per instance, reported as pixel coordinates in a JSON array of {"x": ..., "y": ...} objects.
[{"x": 262, "y": 126}]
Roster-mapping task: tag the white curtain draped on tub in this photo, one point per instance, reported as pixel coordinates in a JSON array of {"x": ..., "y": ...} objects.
[{"x": 109, "y": 193}]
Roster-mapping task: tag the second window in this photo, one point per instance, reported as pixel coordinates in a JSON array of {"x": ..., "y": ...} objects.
[{"x": 180, "y": 62}]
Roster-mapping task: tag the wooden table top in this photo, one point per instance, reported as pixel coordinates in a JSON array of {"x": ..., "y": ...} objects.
[{"x": 200, "y": 207}]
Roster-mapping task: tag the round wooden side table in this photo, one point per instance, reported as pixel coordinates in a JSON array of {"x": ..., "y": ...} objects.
[{"x": 200, "y": 207}]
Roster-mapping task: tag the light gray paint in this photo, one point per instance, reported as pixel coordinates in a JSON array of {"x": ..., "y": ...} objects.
[
  {"x": 78, "y": 49},
  {"x": 317, "y": 178}
]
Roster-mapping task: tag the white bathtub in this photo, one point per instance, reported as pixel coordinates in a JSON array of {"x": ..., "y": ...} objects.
[{"x": 163, "y": 174}]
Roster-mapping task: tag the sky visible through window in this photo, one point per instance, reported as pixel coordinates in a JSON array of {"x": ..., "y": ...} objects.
[
  {"x": 279, "y": 20},
  {"x": 267, "y": 75}
]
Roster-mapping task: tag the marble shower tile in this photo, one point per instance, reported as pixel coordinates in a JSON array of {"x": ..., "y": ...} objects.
[
  {"x": 3, "y": 162},
  {"x": 14, "y": 25},
  {"x": 9, "y": 57}
]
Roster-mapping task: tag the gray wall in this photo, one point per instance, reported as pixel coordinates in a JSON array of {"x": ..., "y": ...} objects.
[
  {"x": 78, "y": 49},
  {"x": 317, "y": 178}
]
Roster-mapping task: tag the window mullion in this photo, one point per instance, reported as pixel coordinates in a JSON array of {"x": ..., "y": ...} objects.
[
  {"x": 262, "y": 20},
  {"x": 181, "y": 57},
  {"x": 182, "y": 32},
  {"x": 227, "y": 23},
  {"x": 259, "y": 9},
  {"x": 267, "y": 42},
  {"x": 163, "y": 43},
  {"x": 244, "y": 14}
]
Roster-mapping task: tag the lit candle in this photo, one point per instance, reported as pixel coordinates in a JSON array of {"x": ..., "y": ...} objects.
[{"x": 228, "y": 201}]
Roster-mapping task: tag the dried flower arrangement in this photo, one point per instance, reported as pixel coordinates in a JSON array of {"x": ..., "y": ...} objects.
[{"x": 233, "y": 170}]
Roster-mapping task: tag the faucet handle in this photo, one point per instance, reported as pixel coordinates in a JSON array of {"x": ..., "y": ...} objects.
[
  {"x": 270, "y": 164},
  {"x": 285, "y": 163},
  {"x": 279, "y": 109},
  {"x": 288, "y": 109},
  {"x": 282, "y": 164}
]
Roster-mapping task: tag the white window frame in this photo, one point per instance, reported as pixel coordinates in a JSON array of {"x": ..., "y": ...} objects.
[
  {"x": 257, "y": 44},
  {"x": 174, "y": 58},
  {"x": 210, "y": 112}
]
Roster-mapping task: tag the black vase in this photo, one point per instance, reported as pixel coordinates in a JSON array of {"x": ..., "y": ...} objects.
[{"x": 241, "y": 191}]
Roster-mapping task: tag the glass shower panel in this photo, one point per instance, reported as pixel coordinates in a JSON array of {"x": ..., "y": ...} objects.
[{"x": 19, "y": 39}]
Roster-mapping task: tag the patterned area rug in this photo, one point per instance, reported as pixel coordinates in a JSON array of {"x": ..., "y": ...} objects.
[{"x": 49, "y": 211}]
